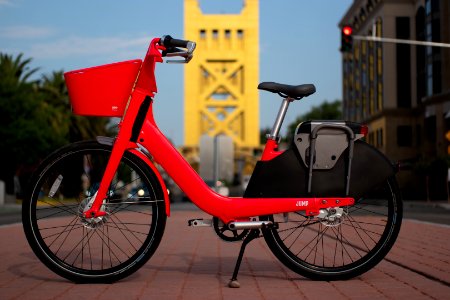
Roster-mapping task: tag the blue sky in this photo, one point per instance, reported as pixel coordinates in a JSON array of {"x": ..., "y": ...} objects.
[{"x": 299, "y": 43}]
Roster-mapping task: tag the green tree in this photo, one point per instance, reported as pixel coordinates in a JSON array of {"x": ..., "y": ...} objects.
[
  {"x": 53, "y": 92},
  {"x": 54, "y": 88},
  {"x": 263, "y": 132},
  {"x": 27, "y": 126},
  {"x": 35, "y": 118},
  {"x": 325, "y": 111},
  {"x": 14, "y": 72}
]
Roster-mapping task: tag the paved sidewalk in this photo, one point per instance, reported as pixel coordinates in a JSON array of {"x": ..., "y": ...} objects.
[
  {"x": 192, "y": 263},
  {"x": 10, "y": 213}
]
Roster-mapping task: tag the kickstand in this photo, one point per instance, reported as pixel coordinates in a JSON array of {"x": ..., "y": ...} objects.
[{"x": 254, "y": 233}]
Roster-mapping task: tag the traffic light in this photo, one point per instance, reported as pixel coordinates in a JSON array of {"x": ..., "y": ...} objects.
[{"x": 346, "y": 38}]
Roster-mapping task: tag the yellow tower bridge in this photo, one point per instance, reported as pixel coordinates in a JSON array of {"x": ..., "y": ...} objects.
[{"x": 220, "y": 92}]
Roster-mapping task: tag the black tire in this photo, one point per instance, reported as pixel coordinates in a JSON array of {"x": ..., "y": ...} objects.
[
  {"x": 100, "y": 250},
  {"x": 322, "y": 249}
]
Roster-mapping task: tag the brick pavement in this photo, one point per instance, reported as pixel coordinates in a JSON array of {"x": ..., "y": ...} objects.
[{"x": 192, "y": 263}]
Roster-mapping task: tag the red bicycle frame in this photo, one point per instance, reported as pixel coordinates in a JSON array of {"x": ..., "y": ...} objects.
[{"x": 163, "y": 153}]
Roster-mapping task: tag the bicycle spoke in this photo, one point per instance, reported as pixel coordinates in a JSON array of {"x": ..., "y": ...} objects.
[
  {"x": 107, "y": 244},
  {"x": 117, "y": 246},
  {"x": 352, "y": 225},
  {"x": 317, "y": 238},
  {"x": 342, "y": 240},
  {"x": 364, "y": 209},
  {"x": 46, "y": 237},
  {"x": 126, "y": 209},
  {"x": 121, "y": 231},
  {"x": 132, "y": 202},
  {"x": 90, "y": 254},
  {"x": 62, "y": 210},
  {"x": 377, "y": 233},
  {"x": 82, "y": 247},
  {"x": 109, "y": 247},
  {"x": 68, "y": 232},
  {"x": 76, "y": 246},
  {"x": 127, "y": 230},
  {"x": 300, "y": 233},
  {"x": 335, "y": 248},
  {"x": 128, "y": 184},
  {"x": 53, "y": 206},
  {"x": 372, "y": 224}
]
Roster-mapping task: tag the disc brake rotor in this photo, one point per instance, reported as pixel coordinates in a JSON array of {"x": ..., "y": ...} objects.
[{"x": 91, "y": 223}]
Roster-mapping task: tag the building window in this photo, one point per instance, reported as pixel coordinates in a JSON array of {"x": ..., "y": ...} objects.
[
  {"x": 403, "y": 55},
  {"x": 355, "y": 23},
  {"x": 429, "y": 79},
  {"x": 418, "y": 135},
  {"x": 379, "y": 65},
  {"x": 430, "y": 129},
  {"x": 369, "y": 6},
  {"x": 371, "y": 77},
  {"x": 355, "y": 81},
  {"x": 371, "y": 141},
  {"x": 421, "y": 80},
  {"x": 364, "y": 80},
  {"x": 379, "y": 138},
  {"x": 404, "y": 136},
  {"x": 433, "y": 54},
  {"x": 428, "y": 7},
  {"x": 362, "y": 15}
]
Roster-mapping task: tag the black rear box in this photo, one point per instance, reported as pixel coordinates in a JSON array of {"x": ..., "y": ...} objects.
[{"x": 286, "y": 176}]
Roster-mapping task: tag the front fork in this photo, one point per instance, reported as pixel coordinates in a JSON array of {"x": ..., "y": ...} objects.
[
  {"x": 119, "y": 149},
  {"x": 122, "y": 143}
]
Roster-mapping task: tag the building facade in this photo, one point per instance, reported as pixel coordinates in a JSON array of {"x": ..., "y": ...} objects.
[{"x": 401, "y": 91}]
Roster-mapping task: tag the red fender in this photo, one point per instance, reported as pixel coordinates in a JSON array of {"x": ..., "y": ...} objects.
[
  {"x": 110, "y": 141},
  {"x": 158, "y": 175}
]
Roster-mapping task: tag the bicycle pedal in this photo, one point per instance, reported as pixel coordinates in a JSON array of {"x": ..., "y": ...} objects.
[{"x": 200, "y": 223}]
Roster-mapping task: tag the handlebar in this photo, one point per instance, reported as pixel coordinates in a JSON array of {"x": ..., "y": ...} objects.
[
  {"x": 167, "y": 41},
  {"x": 172, "y": 49}
]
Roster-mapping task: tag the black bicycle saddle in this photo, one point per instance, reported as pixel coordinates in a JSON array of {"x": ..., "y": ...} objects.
[{"x": 292, "y": 91}]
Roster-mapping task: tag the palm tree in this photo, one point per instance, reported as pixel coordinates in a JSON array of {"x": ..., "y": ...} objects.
[
  {"x": 18, "y": 105},
  {"x": 54, "y": 88},
  {"x": 35, "y": 118},
  {"x": 15, "y": 71}
]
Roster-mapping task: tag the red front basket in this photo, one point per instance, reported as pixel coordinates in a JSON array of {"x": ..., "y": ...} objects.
[{"x": 103, "y": 90}]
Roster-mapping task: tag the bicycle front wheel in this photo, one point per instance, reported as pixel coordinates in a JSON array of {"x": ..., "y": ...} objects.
[
  {"x": 102, "y": 249},
  {"x": 340, "y": 243}
]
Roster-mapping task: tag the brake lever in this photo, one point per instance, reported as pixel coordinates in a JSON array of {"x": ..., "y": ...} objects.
[{"x": 187, "y": 55}]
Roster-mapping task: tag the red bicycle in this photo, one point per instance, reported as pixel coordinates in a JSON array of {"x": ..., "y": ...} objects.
[{"x": 328, "y": 206}]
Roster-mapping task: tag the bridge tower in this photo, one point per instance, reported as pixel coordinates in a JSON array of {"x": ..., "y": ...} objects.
[{"x": 220, "y": 83}]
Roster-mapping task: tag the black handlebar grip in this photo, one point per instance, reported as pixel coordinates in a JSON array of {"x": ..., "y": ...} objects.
[{"x": 168, "y": 41}]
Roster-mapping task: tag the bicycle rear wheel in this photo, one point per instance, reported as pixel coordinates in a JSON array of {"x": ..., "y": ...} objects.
[
  {"x": 103, "y": 249},
  {"x": 341, "y": 243}
]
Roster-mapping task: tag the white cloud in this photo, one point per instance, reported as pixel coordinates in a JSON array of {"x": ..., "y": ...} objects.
[
  {"x": 25, "y": 32},
  {"x": 6, "y": 3},
  {"x": 89, "y": 46}
]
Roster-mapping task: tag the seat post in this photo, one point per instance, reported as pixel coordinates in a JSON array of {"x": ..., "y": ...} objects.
[{"x": 274, "y": 134}]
